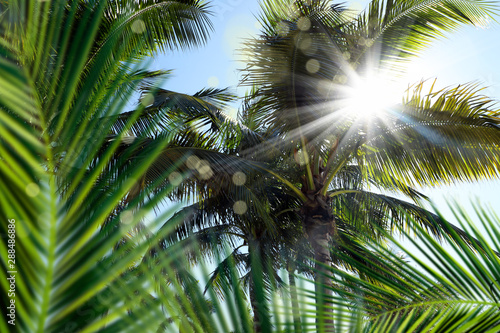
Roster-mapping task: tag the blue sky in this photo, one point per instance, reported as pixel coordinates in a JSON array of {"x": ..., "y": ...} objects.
[{"x": 468, "y": 55}]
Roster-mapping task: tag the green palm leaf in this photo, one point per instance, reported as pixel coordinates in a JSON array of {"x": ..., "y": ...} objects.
[
  {"x": 153, "y": 25},
  {"x": 165, "y": 107},
  {"x": 399, "y": 30},
  {"x": 417, "y": 144},
  {"x": 53, "y": 185},
  {"x": 452, "y": 288}
]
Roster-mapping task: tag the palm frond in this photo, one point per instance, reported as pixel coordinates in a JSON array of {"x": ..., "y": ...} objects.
[
  {"x": 157, "y": 25},
  {"x": 456, "y": 124},
  {"x": 139, "y": 78},
  {"x": 49, "y": 111},
  {"x": 445, "y": 288},
  {"x": 395, "y": 31},
  {"x": 369, "y": 213},
  {"x": 164, "y": 107},
  {"x": 223, "y": 278}
]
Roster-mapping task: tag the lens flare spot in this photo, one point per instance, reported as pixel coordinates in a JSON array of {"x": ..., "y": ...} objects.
[
  {"x": 304, "y": 43},
  {"x": 32, "y": 190},
  {"x": 282, "y": 28},
  {"x": 213, "y": 81},
  {"x": 301, "y": 158},
  {"x": 324, "y": 87},
  {"x": 138, "y": 26},
  {"x": 304, "y": 23},
  {"x": 340, "y": 79},
  {"x": 312, "y": 66},
  {"x": 175, "y": 178},
  {"x": 192, "y": 162},
  {"x": 128, "y": 139},
  {"x": 126, "y": 217},
  {"x": 147, "y": 99},
  {"x": 204, "y": 169},
  {"x": 239, "y": 178},
  {"x": 240, "y": 207}
]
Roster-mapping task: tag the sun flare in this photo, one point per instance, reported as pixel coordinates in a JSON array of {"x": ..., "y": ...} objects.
[{"x": 371, "y": 96}]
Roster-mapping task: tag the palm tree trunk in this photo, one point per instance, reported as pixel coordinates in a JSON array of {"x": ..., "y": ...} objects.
[
  {"x": 294, "y": 299},
  {"x": 261, "y": 320},
  {"x": 320, "y": 228},
  {"x": 257, "y": 328}
]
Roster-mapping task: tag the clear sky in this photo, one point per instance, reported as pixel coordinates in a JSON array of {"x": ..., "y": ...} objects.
[{"x": 468, "y": 55}]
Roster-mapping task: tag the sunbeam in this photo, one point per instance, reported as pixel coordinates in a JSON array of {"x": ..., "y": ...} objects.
[{"x": 370, "y": 96}]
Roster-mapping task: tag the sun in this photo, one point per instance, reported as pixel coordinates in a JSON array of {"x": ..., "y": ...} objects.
[{"x": 371, "y": 95}]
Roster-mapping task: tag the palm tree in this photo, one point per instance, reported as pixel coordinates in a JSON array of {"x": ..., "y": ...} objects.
[
  {"x": 272, "y": 220},
  {"x": 311, "y": 55},
  {"x": 60, "y": 69},
  {"x": 255, "y": 240}
]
